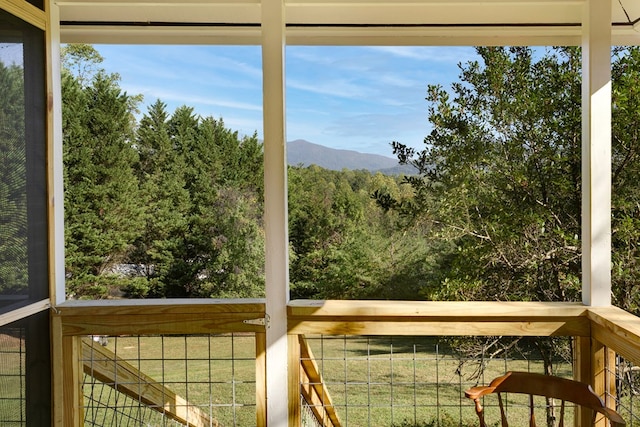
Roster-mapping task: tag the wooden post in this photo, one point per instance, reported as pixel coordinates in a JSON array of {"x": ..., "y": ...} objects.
[
  {"x": 294, "y": 381},
  {"x": 582, "y": 372},
  {"x": 261, "y": 379},
  {"x": 275, "y": 210},
  {"x": 599, "y": 374},
  {"x": 596, "y": 153},
  {"x": 71, "y": 368}
]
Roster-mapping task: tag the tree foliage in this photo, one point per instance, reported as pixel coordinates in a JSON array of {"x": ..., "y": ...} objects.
[
  {"x": 103, "y": 214},
  {"x": 500, "y": 177},
  {"x": 167, "y": 206},
  {"x": 13, "y": 182}
]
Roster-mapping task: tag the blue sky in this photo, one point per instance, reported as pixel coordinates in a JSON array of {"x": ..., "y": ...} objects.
[{"x": 357, "y": 98}]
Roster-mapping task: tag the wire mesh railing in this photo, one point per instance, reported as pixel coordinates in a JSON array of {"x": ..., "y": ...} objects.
[
  {"x": 12, "y": 377},
  {"x": 189, "y": 380},
  {"x": 627, "y": 391},
  {"x": 413, "y": 381},
  {"x": 211, "y": 380}
]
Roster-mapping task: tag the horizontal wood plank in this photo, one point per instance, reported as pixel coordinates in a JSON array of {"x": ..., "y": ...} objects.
[
  {"x": 149, "y": 317},
  {"x": 434, "y": 309},
  {"x": 438, "y": 318},
  {"x": 569, "y": 327},
  {"x": 618, "y": 330}
]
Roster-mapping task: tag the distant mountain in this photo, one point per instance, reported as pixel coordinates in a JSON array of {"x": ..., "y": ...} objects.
[{"x": 301, "y": 152}]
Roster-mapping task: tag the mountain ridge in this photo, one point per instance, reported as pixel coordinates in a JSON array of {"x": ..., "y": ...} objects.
[{"x": 301, "y": 152}]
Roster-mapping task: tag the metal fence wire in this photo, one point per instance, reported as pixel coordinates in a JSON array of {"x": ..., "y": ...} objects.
[
  {"x": 413, "y": 381},
  {"x": 209, "y": 380},
  {"x": 12, "y": 377},
  {"x": 627, "y": 389},
  {"x": 203, "y": 380}
]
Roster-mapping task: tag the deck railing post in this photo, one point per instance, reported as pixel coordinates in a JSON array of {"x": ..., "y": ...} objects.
[
  {"x": 582, "y": 372},
  {"x": 73, "y": 411}
]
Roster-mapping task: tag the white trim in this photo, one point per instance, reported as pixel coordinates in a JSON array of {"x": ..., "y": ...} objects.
[
  {"x": 596, "y": 154},
  {"x": 336, "y": 36},
  {"x": 275, "y": 211},
  {"x": 58, "y": 186}
]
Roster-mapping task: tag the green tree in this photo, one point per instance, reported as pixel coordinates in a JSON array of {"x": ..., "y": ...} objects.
[
  {"x": 625, "y": 170},
  {"x": 500, "y": 182},
  {"x": 342, "y": 245},
  {"x": 501, "y": 177},
  {"x": 161, "y": 174},
  {"x": 103, "y": 214},
  {"x": 13, "y": 190},
  {"x": 221, "y": 252}
]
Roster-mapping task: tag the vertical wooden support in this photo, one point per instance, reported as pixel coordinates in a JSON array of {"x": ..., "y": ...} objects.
[
  {"x": 71, "y": 379},
  {"x": 594, "y": 364},
  {"x": 55, "y": 189},
  {"x": 599, "y": 374},
  {"x": 294, "y": 381},
  {"x": 261, "y": 379},
  {"x": 582, "y": 372},
  {"x": 57, "y": 369},
  {"x": 275, "y": 209},
  {"x": 596, "y": 153}
]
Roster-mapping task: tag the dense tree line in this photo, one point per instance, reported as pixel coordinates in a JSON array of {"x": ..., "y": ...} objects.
[
  {"x": 500, "y": 177},
  {"x": 494, "y": 213},
  {"x": 168, "y": 206}
]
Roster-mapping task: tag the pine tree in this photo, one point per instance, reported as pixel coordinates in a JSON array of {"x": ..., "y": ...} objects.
[
  {"x": 103, "y": 215},
  {"x": 161, "y": 173}
]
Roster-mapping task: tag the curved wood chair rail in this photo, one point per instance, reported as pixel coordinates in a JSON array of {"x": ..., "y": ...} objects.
[{"x": 562, "y": 389}]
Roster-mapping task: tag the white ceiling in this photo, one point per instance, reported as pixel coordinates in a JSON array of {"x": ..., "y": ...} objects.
[{"x": 435, "y": 22}]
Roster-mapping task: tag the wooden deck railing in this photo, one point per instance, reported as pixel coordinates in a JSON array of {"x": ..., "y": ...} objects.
[{"x": 599, "y": 333}]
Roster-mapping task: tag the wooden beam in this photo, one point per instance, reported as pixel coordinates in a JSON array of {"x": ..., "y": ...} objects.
[
  {"x": 170, "y": 316},
  {"x": 296, "y": 381},
  {"x": 314, "y": 389},
  {"x": 26, "y": 11},
  {"x": 71, "y": 382},
  {"x": 582, "y": 373},
  {"x": 618, "y": 330},
  {"x": 261, "y": 379},
  {"x": 437, "y": 318},
  {"x": 15, "y": 314}
]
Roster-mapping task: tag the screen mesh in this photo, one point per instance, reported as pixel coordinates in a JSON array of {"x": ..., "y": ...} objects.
[{"x": 23, "y": 197}]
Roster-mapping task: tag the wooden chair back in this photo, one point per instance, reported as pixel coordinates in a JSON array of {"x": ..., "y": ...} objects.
[{"x": 531, "y": 384}]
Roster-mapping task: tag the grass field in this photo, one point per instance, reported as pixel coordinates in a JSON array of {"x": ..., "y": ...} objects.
[{"x": 373, "y": 381}]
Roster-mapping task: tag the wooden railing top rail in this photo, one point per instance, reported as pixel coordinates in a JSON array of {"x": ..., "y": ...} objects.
[
  {"x": 166, "y": 316},
  {"x": 618, "y": 330},
  {"x": 438, "y": 318},
  {"x": 612, "y": 326}
]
